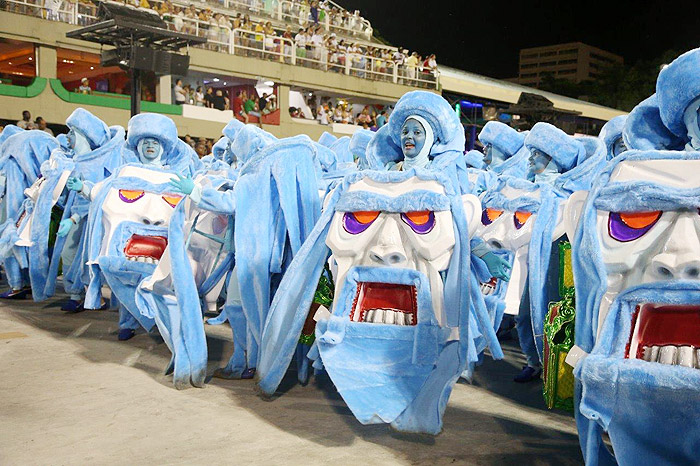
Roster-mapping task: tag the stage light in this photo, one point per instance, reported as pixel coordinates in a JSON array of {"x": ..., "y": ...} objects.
[{"x": 216, "y": 80}]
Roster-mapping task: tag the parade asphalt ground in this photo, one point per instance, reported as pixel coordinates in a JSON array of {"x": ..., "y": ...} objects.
[{"x": 70, "y": 393}]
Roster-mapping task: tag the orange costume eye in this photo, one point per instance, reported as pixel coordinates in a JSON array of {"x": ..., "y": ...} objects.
[
  {"x": 419, "y": 218},
  {"x": 639, "y": 220},
  {"x": 172, "y": 200},
  {"x": 130, "y": 196},
  {"x": 366, "y": 217},
  {"x": 519, "y": 218},
  {"x": 488, "y": 215}
]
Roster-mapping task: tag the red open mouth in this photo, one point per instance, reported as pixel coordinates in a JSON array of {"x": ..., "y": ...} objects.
[
  {"x": 489, "y": 287},
  {"x": 140, "y": 248},
  {"x": 667, "y": 334},
  {"x": 385, "y": 303}
]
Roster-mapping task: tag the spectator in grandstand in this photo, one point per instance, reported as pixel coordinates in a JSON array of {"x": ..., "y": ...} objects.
[
  {"x": 41, "y": 125},
  {"x": 26, "y": 121},
  {"x": 224, "y": 28},
  {"x": 238, "y": 102},
  {"x": 300, "y": 41},
  {"x": 316, "y": 42},
  {"x": 271, "y": 104},
  {"x": 199, "y": 97},
  {"x": 271, "y": 44},
  {"x": 189, "y": 141},
  {"x": 381, "y": 119},
  {"x": 180, "y": 97},
  {"x": 287, "y": 44},
  {"x": 259, "y": 38},
  {"x": 219, "y": 100},
  {"x": 190, "y": 20},
  {"x": 313, "y": 12},
  {"x": 411, "y": 67},
  {"x": 209, "y": 98},
  {"x": 85, "y": 86},
  {"x": 200, "y": 149},
  {"x": 322, "y": 114},
  {"x": 250, "y": 107}
]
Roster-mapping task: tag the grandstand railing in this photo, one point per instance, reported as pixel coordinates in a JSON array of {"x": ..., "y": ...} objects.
[{"x": 250, "y": 43}]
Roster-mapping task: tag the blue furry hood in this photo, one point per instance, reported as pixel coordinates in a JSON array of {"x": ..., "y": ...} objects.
[
  {"x": 327, "y": 139},
  {"x": 231, "y": 129},
  {"x": 248, "y": 141},
  {"x": 502, "y": 137},
  {"x": 644, "y": 129},
  {"x": 341, "y": 147},
  {"x": 677, "y": 86},
  {"x": 94, "y": 129},
  {"x": 587, "y": 168},
  {"x": 8, "y": 131},
  {"x": 563, "y": 149},
  {"x": 152, "y": 125},
  {"x": 475, "y": 159},
  {"x": 358, "y": 146},
  {"x": 219, "y": 148},
  {"x": 612, "y": 131}
]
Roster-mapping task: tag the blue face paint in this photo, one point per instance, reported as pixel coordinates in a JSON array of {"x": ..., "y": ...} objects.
[
  {"x": 493, "y": 156},
  {"x": 538, "y": 161},
  {"x": 150, "y": 151},
  {"x": 412, "y": 138}
]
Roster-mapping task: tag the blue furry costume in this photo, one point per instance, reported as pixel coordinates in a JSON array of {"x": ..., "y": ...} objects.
[
  {"x": 358, "y": 147},
  {"x": 400, "y": 375},
  {"x": 21, "y": 157},
  {"x": 509, "y": 144},
  {"x": 650, "y": 410},
  {"x": 106, "y": 257}
]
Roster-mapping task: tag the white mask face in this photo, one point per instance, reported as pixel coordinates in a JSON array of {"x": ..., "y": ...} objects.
[
  {"x": 144, "y": 214},
  {"x": 650, "y": 247},
  {"x": 421, "y": 241}
]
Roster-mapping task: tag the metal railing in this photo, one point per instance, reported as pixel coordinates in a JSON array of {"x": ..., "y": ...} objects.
[{"x": 244, "y": 42}]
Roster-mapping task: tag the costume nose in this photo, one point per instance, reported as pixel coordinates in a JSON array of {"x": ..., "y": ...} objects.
[
  {"x": 679, "y": 258},
  {"x": 148, "y": 221},
  {"x": 388, "y": 250}
]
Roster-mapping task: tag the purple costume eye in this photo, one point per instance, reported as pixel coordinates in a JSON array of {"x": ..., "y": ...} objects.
[
  {"x": 420, "y": 222},
  {"x": 625, "y": 226},
  {"x": 357, "y": 222}
]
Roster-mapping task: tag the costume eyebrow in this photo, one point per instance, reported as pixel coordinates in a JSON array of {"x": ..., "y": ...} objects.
[
  {"x": 643, "y": 196},
  {"x": 412, "y": 201}
]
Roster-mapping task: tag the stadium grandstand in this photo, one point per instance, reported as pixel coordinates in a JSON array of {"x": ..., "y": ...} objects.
[{"x": 291, "y": 66}]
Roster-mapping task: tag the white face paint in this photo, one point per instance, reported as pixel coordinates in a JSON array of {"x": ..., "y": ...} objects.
[
  {"x": 148, "y": 213},
  {"x": 512, "y": 231},
  {"x": 420, "y": 241},
  {"x": 650, "y": 247}
]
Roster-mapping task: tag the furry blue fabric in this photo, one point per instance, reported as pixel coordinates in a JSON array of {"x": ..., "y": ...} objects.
[
  {"x": 358, "y": 146},
  {"x": 21, "y": 156},
  {"x": 92, "y": 167},
  {"x": 177, "y": 155},
  {"x": 475, "y": 159},
  {"x": 8, "y": 131},
  {"x": 219, "y": 148},
  {"x": 174, "y": 299},
  {"x": 248, "y": 141},
  {"x": 589, "y": 164},
  {"x": 231, "y": 129},
  {"x": 95, "y": 130},
  {"x": 398, "y": 375},
  {"x": 562, "y": 148},
  {"x": 631, "y": 399},
  {"x": 327, "y": 139},
  {"x": 611, "y": 132},
  {"x": 644, "y": 129},
  {"x": 677, "y": 86},
  {"x": 502, "y": 136}
]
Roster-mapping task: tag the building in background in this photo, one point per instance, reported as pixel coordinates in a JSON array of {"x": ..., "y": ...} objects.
[{"x": 574, "y": 61}]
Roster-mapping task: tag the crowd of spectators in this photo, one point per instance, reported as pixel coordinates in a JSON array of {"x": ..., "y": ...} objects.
[
  {"x": 327, "y": 113},
  {"x": 316, "y": 43}
]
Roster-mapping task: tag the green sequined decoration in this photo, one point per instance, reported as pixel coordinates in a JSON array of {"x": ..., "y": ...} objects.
[
  {"x": 322, "y": 296},
  {"x": 559, "y": 327}
]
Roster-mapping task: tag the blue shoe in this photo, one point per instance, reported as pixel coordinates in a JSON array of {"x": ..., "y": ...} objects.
[
  {"x": 126, "y": 334},
  {"x": 16, "y": 294},
  {"x": 72, "y": 306},
  {"x": 528, "y": 374}
]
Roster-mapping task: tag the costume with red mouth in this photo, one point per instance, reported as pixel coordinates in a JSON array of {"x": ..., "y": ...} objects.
[{"x": 636, "y": 259}]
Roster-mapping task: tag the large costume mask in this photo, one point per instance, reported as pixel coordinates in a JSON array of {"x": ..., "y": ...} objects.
[
  {"x": 400, "y": 330},
  {"x": 128, "y": 232},
  {"x": 636, "y": 258}
]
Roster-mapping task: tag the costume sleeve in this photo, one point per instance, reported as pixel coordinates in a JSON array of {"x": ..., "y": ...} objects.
[
  {"x": 213, "y": 200},
  {"x": 479, "y": 247}
]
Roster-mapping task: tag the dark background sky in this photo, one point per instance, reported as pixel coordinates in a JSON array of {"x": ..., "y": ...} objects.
[{"x": 485, "y": 36}]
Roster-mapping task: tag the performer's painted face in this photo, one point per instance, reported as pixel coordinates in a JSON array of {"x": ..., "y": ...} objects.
[
  {"x": 646, "y": 247},
  {"x": 493, "y": 156},
  {"x": 418, "y": 240},
  {"x": 539, "y": 161},
  {"x": 412, "y": 138},
  {"x": 149, "y": 149}
]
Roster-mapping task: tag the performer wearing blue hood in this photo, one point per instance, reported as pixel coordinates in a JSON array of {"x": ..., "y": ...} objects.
[
  {"x": 154, "y": 151},
  {"x": 358, "y": 147},
  {"x": 277, "y": 193},
  {"x": 21, "y": 156},
  {"x": 95, "y": 153},
  {"x": 644, "y": 129},
  {"x": 611, "y": 134}
]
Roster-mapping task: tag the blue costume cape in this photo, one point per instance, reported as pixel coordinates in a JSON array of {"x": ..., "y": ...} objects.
[
  {"x": 644, "y": 129},
  {"x": 401, "y": 375},
  {"x": 21, "y": 156},
  {"x": 92, "y": 167},
  {"x": 174, "y": 301},
  {"x": 641, "y": 405},
  {"x": 358, "y": 146}
]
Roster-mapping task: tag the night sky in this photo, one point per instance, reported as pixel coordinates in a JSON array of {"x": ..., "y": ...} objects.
[{"x": 485, "y": 36}]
